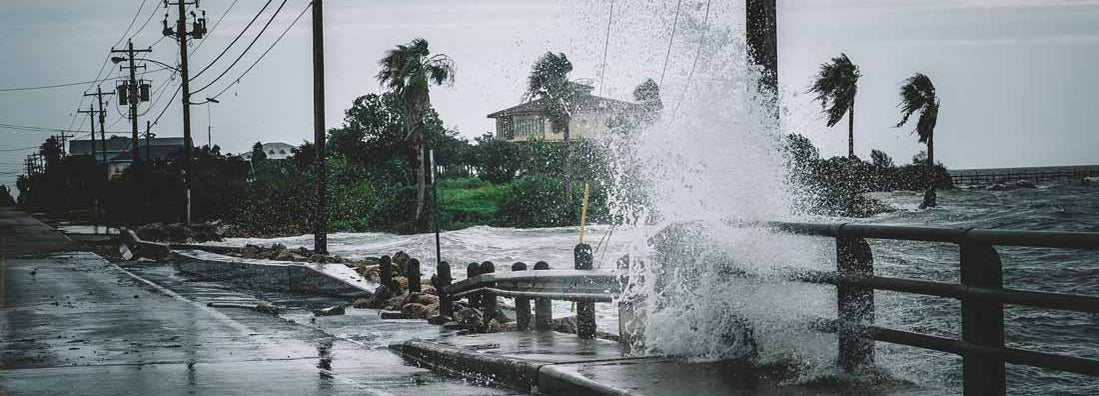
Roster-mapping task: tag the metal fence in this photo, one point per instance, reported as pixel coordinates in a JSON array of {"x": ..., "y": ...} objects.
[{"x": 981, "y": 292}]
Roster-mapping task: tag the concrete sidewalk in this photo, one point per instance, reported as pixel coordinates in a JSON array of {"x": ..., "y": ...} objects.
[{"x": 21, "y": 234}]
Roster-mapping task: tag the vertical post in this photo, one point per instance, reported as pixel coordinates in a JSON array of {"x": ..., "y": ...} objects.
[
  {"x": 148, "y": 138},
  {"x": 102, "y": 121},
  {"x": 443, "y": 277},
  {"x": 413, "y": 275},
  {"x": 762, "y": 38},
  {"x": 472, "y": 270},
  {"x": 855, "y": 304},
  {"x": 488, "y": 300},
  {"x": 385, "y": 272},
  {"x": 982, "y": 321},
  {"x": 522, "y": 304},
  {"x": 185, "y": 86},
  {"x": 543, "y": 308},
  {"x": 134, "y": 98},
  {"x": 435, "y": 209},
  {"x": 585, "y": 310},
  {"x": 320, "y": 233}
]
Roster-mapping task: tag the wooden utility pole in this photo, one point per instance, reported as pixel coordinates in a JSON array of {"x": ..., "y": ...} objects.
[
  {"x": 320, "y": 219},
  {"x": 148, "y": 135},
  {"x": 762, "y": 37},
  {"x": 91, "y": 117},
  {"x": 102, "y": 123},
  {"x": 133, "y": 94},
  {"x": 181, "y": 34}
]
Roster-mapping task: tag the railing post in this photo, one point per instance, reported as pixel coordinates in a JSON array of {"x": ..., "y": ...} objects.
[
  {"x": 982, "y": 321},
  {"x": 442, "y": 276},
  {"x": 472, "y": 270},
  {"x": 543, "y": 308},
  {"x": 585, "y": 310},
  {"x": 413, "y": 274},
  {"x": 488, "y": 300},
  {"x": 855, "y": 303},
  {"x": 522, "y": 304},
  {"x": 385, "y": 272}
]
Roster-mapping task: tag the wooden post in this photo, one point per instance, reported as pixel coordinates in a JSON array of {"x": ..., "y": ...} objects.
[
  {"x": 522, "y": 304},
  {"x": 472, "y": 270},
  {"x": 543, "y": 308},
  {"x": 385, "y": 272},
  {"x": 442, "y": 276},
  {"x": 855, "y": 304},
  {"x": 413, "y": 274},
  {"x": 585, "y": 310},
  {"x": 488, "y": 300},
  {"x": 982, "y": 321}
]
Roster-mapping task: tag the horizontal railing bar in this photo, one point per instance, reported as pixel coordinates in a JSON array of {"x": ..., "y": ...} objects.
[
  {"x": 596, "y": 297},
  {"x": 1062, "y": 301},
  {"x": 1051, "y": 239},
  {"x": 1011, "y": 355},
  {"x": 609, "y": 278}
]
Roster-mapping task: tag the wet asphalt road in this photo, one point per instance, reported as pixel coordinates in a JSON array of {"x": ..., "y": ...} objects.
[{"x": 73, "y": 323}]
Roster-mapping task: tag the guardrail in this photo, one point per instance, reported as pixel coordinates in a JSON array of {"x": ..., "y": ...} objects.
[
  {"x": 976, "y": 176},
  {"x": 981, "y": 292}
]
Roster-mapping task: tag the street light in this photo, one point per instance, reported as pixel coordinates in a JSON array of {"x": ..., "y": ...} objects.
[{"x": 209, "y": 123}]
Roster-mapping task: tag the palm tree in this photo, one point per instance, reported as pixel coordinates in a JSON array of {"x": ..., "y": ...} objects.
[
  {"x": 549, "y": 81},
  {"x": 836, "y": 85},
  {"x": 409, "y": 70},
  {"x": 918, "y": 95}
]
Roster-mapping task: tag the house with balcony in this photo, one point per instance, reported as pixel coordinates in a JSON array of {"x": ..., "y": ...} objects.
[
  {"x": 115, "y": 151},
  {"x": 590, "y": 116}
]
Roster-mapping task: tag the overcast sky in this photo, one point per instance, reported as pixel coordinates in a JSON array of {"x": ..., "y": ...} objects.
[{"x": 1016, "y": 77}]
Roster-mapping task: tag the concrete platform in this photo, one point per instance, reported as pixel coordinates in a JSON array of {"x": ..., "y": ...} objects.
[
  {"x": 273, "y": 275},
  {"x": 557, "y": 363},
  {"x": 21, "y": 234}
]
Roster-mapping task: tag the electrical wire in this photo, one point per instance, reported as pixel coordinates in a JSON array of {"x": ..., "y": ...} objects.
[
  {"x": 269, "y": 48},
  {"x": 76, "y": 83},
  {"x": 239, "y": 35},
  {"x": 144, "y": 24},
  {"x": 258, "y": 35},
  {"x": 698, "y": 54},
  {"x": 132, "y": 21},
  {"x": 668, "y": 54},
  {"x": 606, "y": 45},
  {"x": 216, "y": 24}
]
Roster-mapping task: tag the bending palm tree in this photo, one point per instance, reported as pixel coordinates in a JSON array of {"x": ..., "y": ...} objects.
[
  {"x": 409, "y": 70},
  {"x": 549, "y": 81},
  {"x": 836, "y": 85},
  {"x": 918, "y": 95}
]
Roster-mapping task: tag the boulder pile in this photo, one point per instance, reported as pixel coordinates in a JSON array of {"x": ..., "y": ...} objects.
[{"x": 181, "y": 233}]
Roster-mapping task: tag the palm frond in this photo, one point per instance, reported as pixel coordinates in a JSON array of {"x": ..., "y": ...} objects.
[
  {"x": 835, "y": 86},
  {"x": 917, "y": 94}
]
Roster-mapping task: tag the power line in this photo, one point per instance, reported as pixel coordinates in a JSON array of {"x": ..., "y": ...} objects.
[
  {"x": 239, "y": 35},
  {"x": 265, "y": 26},
  {"x": 606, "y": 45},
  {"x": 269, "y": 48},
  {"x": 144, "y": 24},
  {"x": 75, "y": 83},
  {"x": 698, "y": 53},
  {"x": 21, "y": 149},
  {"x": 668, "y": 54},
  {"x": 132, "y": 21},
  {"x": 216, "y": 24},
  {"x": 29, "y": 128}
]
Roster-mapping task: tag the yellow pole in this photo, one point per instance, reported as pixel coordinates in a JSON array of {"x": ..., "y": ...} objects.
[{"x": 584, "y": 213}]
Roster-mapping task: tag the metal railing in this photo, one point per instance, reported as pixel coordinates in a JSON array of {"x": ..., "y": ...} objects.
[
  {"x": 981, "y": 292},
  {"x": 976, "y": 176}
]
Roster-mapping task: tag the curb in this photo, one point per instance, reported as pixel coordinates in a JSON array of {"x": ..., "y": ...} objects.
[{"x": 521, "y": 374}]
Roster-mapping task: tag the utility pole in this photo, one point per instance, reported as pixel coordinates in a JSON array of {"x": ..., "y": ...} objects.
[
  {"x": 148, "y": 136},
  {"x": 181, "y": 34},
  {"x": 91, "y": 117},
  {"x": 102, "y": 123},
  {"x": 761, "y": 33},
  {"x": 320, "y": 219},
  {"x": 133, "y": 94}
]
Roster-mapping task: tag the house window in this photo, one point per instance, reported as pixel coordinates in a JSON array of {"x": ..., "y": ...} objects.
[
  {"x": 503, "y": 128},
  {"x": 530, "y": 126}
]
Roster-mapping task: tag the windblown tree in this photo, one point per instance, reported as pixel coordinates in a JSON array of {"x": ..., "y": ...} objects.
[
  {"x": 52, "y": 150},
  {"x": 549, "y": 81},
  {"x": 835, "y": 86},
  {"x": 918, "y": 96},
  {"x": 647, "y": 94},
  {"x": 409, "y": 70}
]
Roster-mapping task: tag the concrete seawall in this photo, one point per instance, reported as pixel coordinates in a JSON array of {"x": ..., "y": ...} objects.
[{"x": 271, "y": 275}]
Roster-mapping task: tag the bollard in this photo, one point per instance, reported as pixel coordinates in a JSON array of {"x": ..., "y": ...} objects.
[
  {"x": 585, "y": 310},
  {"x": 472, "y": 270},
  {"x": 855, "y": 304},
  {"x": 982, "y": 321},
  {"x": 543, "y": 308},
  {"x": 385, "y": 272},
  {"x": 413, "y": 274},
  {"x": 522, "y": 304},
  {"x": 488, "y": 300},
  {"x": 442, "y": 276}
]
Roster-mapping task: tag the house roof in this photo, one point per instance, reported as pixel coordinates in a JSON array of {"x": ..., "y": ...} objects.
[
  {"x": 153, "y": 152},
  {"x": 118, "y": 144},
  {"x": 583, "y": 103}
]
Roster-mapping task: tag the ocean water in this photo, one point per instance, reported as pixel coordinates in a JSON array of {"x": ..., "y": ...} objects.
[{"x": 778, "y": 308}]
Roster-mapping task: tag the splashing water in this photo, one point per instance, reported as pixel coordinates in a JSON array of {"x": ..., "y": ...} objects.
[{"x": 706, "y": 288}]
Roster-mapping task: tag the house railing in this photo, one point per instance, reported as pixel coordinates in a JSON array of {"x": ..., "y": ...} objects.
[{"x": 981, "y": 292}]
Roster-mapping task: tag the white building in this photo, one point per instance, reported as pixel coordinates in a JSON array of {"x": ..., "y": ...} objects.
[{"x": 275, "y": 151}]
